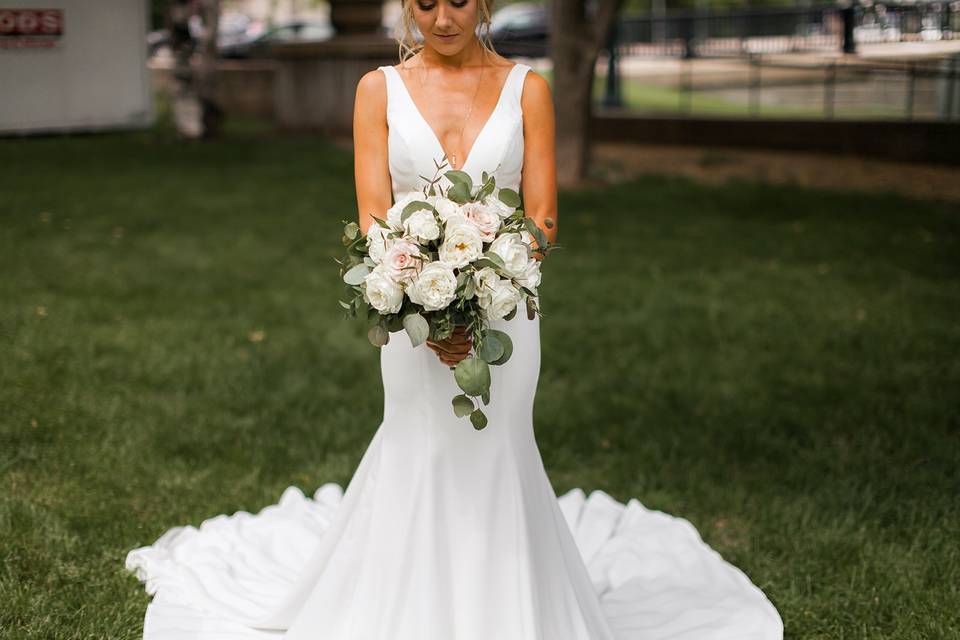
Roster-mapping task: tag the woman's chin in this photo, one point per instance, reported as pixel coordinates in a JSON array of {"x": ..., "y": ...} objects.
[{"x": 448, "y": 46}]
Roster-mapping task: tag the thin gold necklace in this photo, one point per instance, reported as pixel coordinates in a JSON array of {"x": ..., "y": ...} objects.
[{"x": 453, "y": 157}]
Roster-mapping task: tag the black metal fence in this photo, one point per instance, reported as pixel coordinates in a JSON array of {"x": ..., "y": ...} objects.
[
  {"x": 759, "y": 80},
  {"x": 785, "y": 29}
]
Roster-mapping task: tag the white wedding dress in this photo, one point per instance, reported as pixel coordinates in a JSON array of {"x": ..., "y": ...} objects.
[{"x": 445, "y": 532}]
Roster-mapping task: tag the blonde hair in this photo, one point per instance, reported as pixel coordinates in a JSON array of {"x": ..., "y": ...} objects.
[{"x": 408, "y": 44}]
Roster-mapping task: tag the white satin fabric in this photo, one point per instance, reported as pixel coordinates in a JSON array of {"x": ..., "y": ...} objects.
[{"x": 445, "y": 532}]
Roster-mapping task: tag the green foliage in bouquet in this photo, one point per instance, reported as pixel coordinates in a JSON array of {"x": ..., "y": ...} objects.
[{"x": 489, "y": 346}]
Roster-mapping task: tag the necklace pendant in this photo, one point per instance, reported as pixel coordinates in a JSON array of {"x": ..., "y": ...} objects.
[{"x": 453, "y": 160}]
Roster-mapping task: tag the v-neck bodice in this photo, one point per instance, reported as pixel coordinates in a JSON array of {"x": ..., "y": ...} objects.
[{"x": 413, "y": 145}]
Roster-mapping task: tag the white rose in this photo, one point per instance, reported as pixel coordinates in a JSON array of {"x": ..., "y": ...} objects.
[
  {"x": 484, "y": 217},
  {"x": 422, "y": 226},
  {"x": 402, "y": 261},
  {"x": 528, "y": 238},
  {"x": 499, "y": 207},
  {"x": 530, "y": 278},
  {"x": 445, "y": 208},
  {"x": 456, "y": 219},
  {"x": 434, "y": 287},
  {"x": 503, "y": 299},
  {"x": 513, "y": 251},
  {"x": 462, "y": 244},
  {"x": 484, "y": 281},
  {"x": 394, "y": 212},
  {"x": 382, "y": 292},
  {"x": 377, "y": 241}
]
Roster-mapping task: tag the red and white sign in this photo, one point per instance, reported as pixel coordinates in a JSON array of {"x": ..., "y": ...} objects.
[{"x": 30, "y": 27}]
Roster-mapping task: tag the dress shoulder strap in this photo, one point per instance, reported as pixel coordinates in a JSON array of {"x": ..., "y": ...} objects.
[
  {"x": 518, "y": 74},
  {"x": 514, "y": 87},
  {"x": 392, "y": 89}
]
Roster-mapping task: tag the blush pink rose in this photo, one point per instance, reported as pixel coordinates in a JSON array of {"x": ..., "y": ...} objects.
[
  {"x": 400, "y": 257},
  {"x": 484, "y": 218}
]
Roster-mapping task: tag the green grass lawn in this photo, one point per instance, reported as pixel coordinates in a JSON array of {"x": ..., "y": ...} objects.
[{"x": 777, "y": 365}]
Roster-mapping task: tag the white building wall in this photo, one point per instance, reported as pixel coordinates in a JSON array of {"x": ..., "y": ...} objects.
[{"x": 95, "y": 77}]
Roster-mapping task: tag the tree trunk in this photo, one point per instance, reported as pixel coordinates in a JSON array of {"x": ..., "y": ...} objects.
[{"x": 579, "y": 32}]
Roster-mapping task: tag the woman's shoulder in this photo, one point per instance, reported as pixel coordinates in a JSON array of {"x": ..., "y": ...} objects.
[
  {"x": 372, "y": 89},
  {"x": 373, "y": 81}
]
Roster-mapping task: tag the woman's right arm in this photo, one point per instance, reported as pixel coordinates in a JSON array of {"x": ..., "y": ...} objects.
[{"x": 370, "y": 164}]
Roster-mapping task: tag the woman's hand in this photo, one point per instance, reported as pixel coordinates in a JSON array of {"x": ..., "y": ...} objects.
[{"x": 455, "y": 348}]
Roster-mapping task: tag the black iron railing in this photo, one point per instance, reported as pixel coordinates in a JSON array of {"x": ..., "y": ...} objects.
[{"x": 761, "y": 77}]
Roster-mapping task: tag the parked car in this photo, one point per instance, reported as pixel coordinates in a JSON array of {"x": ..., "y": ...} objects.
[
  {"x": 292, "y": 31},
  {"x": 521, "y": 29},
  {"x": 234, "y": 27}
]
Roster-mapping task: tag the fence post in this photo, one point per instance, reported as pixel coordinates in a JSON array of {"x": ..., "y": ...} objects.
[
  {"x": 848, "y": 14},
  {"x": 753, "y": 60},
  {"x": 686, "y": 86},
  {"x": 951, "y": 91},
  {"x": 911, "y": 82},
  {"x": 611, "y": 96},
  {"x": 830, "y": 80},
  {"x": 686, "y": 25}
]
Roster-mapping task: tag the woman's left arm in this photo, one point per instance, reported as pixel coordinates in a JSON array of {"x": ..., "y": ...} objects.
[{"x": 539, "y": 177}]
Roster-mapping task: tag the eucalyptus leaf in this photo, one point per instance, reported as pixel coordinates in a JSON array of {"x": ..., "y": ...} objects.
[
  {"x": 494, "y": 258},
  {"x": 462, "y": 405},
  {"x": 478, "y": 419},
  {"x": 481, "y": 262},
  {"x": 393, "y": 322},
  {"x": 485, "y": 190},
  {"x": 459, "y": 193},
  {"x": 505, "y": 341},
  {"x": 413, "y": 207},
  {"x": 527, "y": 291},
  {"x": 472, "y": 375},
  {"x": 492, "y": 349},
  {"x": 541, "y": 238},
  {"x": 459, "y": 177},
  {"x": 378, "y": 336},
  {"x": 417, "y": 328},
  {"x": 344, "y": 305},
  {"x": 356, "y": 274},
  {"x": 485, "y": 396},
  {"x": 509, "y": 197},
  {"x": 530, "y": 225},
  {"x": 536, "y": 232}
]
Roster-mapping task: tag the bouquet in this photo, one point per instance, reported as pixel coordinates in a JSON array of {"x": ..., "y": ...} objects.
[{"x": 442, "y": 258}]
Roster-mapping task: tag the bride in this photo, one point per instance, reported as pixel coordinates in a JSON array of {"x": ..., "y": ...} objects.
[{"x": 445, "y": 532}]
